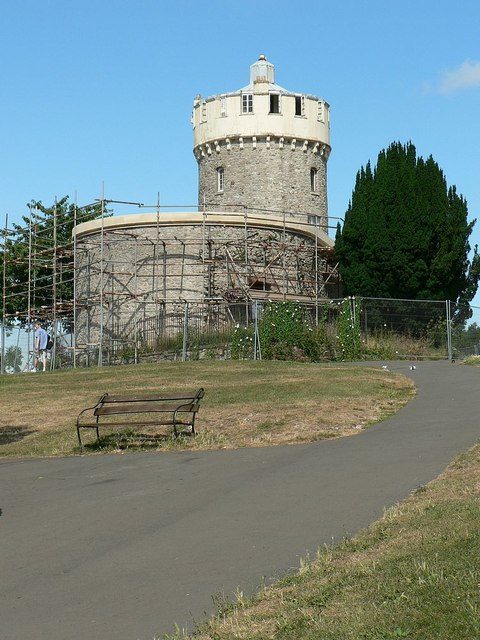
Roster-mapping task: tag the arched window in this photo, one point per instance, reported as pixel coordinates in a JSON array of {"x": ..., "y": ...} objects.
[
  {"x": 220, "y": 179},
  {"x": 314, "y": 179}
]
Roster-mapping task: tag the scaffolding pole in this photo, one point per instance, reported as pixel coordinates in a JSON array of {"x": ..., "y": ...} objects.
[
  {"x": 29, "y": 293},
  {"x": 100, "y": 338},
  {"x": 54, "y": 286},
  {"x": 74, "y": 325},
  {"x": 4, "y": 293}
]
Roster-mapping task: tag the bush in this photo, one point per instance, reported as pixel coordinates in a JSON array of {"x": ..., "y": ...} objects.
[
  {"x": 350, "y": 342},
  {"x": 242, "y": 343},
  {"x": 286, "y": 333}
]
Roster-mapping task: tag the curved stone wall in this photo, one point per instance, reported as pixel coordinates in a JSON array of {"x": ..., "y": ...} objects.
[
  {"x": 264, "y": 174},
  {"x": 145, "y": 269}
]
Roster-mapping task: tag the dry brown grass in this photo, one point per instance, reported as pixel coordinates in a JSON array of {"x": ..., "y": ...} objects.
[{"x": 246, "y": 403}]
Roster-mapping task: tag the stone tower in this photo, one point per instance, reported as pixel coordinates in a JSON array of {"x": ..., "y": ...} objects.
[{"x": 263, "y": 147}]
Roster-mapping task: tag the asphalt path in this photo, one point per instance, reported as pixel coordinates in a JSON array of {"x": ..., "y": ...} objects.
[{"x": 124, "y": 546}]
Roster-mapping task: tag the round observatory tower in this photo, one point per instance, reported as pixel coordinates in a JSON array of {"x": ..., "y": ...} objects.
[
  {"x": 260, "y": 232},
  {"x": 262, "y": 147}
]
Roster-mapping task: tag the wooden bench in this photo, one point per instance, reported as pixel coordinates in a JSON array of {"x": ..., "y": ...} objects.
[{"x": 173, "y": 408}]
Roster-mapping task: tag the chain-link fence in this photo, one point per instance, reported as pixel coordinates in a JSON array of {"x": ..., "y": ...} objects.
[
  {"x": 342, "y": 329},
  {"x": 333, "y": 330},
  {"x": 18, "y": 354}
]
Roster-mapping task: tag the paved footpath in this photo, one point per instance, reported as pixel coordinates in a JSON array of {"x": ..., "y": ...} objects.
[{"x": 123, "y": 546}]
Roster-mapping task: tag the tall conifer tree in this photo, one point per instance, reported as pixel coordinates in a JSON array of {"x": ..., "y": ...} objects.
[{"x": 406, "y": 233}]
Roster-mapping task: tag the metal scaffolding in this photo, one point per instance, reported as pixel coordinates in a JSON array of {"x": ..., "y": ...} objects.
[
  {"x": 38, "y": 269},
  {"x": 279, "y": 265}
]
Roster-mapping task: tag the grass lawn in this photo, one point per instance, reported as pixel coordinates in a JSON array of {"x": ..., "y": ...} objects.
[
  {"x": 414, "y": 574},
  {"x": 246, "y": 403}
]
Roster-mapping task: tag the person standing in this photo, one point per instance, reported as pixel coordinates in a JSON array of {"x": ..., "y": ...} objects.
[{"x": 41, "y": 341}]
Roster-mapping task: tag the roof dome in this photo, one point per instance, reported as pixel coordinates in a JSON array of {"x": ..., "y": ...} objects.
[{"x": 262, "y": 71}]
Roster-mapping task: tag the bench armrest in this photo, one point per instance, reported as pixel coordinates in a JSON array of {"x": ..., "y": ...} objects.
[{"x": 96, "y": 406}]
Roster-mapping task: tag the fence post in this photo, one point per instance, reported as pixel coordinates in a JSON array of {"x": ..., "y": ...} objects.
[
  {"x": 257, "y": 334},
  {"x": 448, "y": 311},
  {"x": 255, "y": 314},
  {"x": 185, "y": 332}
]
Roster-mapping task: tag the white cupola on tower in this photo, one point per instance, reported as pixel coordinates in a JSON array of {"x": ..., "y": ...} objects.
[{"x": 262, "y": 71}]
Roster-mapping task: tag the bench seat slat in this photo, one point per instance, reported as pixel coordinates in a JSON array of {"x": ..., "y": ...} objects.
[
  {"x": 136, "y": 398},
  {"x": 112, "y": 425},
  {"x": 144, "y": 407}
]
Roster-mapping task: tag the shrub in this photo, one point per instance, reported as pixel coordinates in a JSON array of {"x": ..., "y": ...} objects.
[
  {"x": 242, "y": 343},
  {"x": 350, "y": 342},
  {"x": 286, "y": 333}
]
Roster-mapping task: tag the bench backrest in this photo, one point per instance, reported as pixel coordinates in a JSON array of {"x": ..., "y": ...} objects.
[
  {"x": 185, "y": 395},
  {"x": 184, "y": 402}
]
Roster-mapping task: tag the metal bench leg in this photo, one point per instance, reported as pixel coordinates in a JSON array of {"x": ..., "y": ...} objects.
[
  {"x": 193, "y": 424},
  {"x": 175, "y": 424},
  {"x": 79, "y": 438},
  {"x": 98, "y": 433}
]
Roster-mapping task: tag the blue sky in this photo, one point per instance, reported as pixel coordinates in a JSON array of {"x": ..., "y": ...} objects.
[{"x": 102, "y": 91}]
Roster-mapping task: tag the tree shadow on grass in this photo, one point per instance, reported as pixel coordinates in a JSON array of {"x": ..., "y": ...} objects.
[{"x": 8, "y": 435}]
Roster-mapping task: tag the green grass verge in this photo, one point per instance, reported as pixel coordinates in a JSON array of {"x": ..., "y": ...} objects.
[
  {"x": 414, "y": 574},
  {"x": 247, "y": 403}
]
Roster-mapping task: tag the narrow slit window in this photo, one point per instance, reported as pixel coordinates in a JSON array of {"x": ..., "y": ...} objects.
[
  {"x": 313, "y": 179},
  {"x": 299, "y": 105},
  {"x": 220, "y": 179},
  {"x": 247, "y": 103},
  {"x": 274, "y": 103}
]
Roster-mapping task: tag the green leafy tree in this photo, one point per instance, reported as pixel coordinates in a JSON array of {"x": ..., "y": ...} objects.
[
  {"x": 406, "y": 233},
  {"x": 51, "y": 227},
  {"x": 13, "y": 359}
]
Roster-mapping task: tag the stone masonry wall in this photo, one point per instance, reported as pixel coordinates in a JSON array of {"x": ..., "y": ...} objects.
[
  {"x": 143, "y": 274},
  {"x": 264, "y": 177}
]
